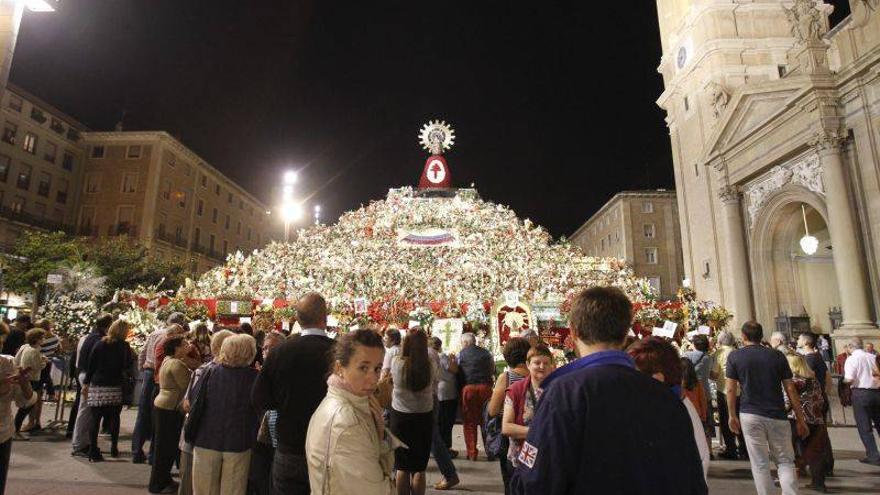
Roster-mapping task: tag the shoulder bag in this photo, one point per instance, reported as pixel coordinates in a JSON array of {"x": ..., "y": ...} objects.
[{"x": 197, "y": 409}]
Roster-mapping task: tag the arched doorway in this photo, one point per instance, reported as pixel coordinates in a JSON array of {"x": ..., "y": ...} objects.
[{"x": 786, "y": 279}]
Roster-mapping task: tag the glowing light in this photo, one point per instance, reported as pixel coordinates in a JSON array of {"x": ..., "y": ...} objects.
[
  {"x": 290, "y": 177},
  {"x": 39, "y": 6},
  {"x": 809, "y": 244},
  {"x": 291, "y": 212}
]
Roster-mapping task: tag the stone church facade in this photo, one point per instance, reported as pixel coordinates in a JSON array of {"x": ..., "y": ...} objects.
[{"x": 774, "y": 120}]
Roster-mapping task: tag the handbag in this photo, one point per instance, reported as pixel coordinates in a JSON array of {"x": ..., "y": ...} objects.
[
  {"x": 384, "y": 391},
  {"x": 197, "y": 409},
  {"x": 496, "y": 444}
]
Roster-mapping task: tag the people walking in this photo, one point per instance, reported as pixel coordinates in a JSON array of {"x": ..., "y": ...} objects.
[
  {"x": 704, "y": 363},
  {"x": 762, "y": 374},
  {"x": 863, "y": 377},
  {"x": 174, "y": 376},
  {"x": 734, "y": 444},
  {"x": 810, "y": 451},
  {"x": 110, "y": 361},
  {"x": 48, "y": 348},
  {"x": 348, "y": 448},
  {"x": 477, "y": 370},
  {"x": 32, "y": 361},
  {"x": 447, "y": 394},
  {"x": 227, "y": 430},
  {"x": 293, "y": 381},
  {"x": 439, "y": 447},
  {"x": 582, "y": 438}
]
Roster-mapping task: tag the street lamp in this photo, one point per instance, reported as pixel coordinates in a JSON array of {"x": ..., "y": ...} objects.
[
  {"x": 41, "y": 5},
  {"x": 808, "y": 243},
  {"x": 317, "y": 214}
]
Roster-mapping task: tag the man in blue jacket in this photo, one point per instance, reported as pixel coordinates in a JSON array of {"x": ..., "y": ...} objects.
[{"x": 602, "y": 426}]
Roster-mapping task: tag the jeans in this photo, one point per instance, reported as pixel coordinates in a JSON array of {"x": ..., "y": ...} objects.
[
  {"x": 866, "y": 408},
  {"x": 5, "y": 452},
  {"x": 290, "y": 474},
  {"x": 82, "y": 428},
  {"x": 767, "y": 437},
  {"x": 446, "y": 420},
  {"x": 143, "y": 425},
  {"x": 439, "y": 449}
]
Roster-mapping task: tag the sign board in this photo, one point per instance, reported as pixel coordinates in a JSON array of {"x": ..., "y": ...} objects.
[
  {"x": 704, "y": 330},
  {"x": 449, "y": 331},
  {"x": 360, "y": 305},
  {"x": 54, "y": 279},
  {"x": 546, "y": 311}
]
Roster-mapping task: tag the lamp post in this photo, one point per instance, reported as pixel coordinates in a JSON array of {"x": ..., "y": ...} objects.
[{"x": 317, "y": 214}]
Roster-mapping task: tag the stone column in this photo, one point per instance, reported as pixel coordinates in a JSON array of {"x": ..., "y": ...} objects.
[
  {"x": 848, "y": 262},
  {"x": 736, "y": 270},
  {"x": 10, "y": 21}
]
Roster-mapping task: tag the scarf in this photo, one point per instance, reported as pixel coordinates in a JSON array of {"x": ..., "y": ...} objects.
[
  {"x": 601, "y": 358},
  {"x": 336, "y": 381}
]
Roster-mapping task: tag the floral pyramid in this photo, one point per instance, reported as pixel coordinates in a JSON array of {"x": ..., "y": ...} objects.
[{"x": 441, "y": 252}]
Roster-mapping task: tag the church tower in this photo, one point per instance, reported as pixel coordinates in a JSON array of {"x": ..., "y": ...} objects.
[{"x": 713, "y": 49}]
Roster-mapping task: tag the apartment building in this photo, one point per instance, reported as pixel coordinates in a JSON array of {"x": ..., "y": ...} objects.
[
  {"x": 55, "y": 174},
  {"x": 640, "y": 227},
  {"x": 151, "y": 187},
  {"x": 41, "y": 164}
]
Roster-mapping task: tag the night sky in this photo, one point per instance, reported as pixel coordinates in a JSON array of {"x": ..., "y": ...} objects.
[{"x": 553, "y": 103}]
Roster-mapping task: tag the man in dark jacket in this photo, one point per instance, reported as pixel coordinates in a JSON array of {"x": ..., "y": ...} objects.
[
  {"x": 81, "y": 434},
  {"x": 293, "y": 381},
  {"x": 477, "y": 373},
  {"x": 603, "y": 427}
]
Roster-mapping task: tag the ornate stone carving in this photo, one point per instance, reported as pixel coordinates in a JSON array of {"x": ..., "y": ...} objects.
[
  {"x": 804, "y": 171},
  {"x": 862, "y": 10},
  {"x": 806, "y": 21},
  {"x": 827, "y": 140},
  {"x": 729, "y": 194},
  {"x": 720, "y": 98}
]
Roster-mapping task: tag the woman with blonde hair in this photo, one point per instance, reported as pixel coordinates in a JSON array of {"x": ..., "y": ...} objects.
[
  {"x": 348, "y": 426},
  {"x": 809, "y": 451},
  {"x": 102, "y": 387},
  {"x": 227, "y": 428}
]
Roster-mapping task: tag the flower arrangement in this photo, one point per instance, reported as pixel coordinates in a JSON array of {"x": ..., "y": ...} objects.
[
  {"x": 196, "y": 312},
  {"x": 286, "y": 313},
  {"x": 143, "y": 323},
  {"x": 176, "y": 304},
  {"x": 718, "y": 316},
  {"x": 72, "y": 316},
  {"x": 424, "y": 316}
]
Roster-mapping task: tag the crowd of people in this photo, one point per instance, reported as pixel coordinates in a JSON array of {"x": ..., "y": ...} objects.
[{"x": 366, "y": 411}]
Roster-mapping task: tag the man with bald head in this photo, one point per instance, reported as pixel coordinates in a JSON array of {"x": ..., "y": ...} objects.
[{"x": 293, "y": 381}]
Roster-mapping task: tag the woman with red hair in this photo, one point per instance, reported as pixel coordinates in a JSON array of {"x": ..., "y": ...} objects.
[{"x": 658, "y": 358}]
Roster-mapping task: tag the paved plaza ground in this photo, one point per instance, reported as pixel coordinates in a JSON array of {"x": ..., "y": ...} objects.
[{"x": 43, "y": 465}]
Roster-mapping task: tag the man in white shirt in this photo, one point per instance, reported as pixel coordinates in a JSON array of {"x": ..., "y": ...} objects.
[
  {"x": 392, "y": 344},
  {"x": 862, "y": 375},
  {"x": 15, "y": 386}
]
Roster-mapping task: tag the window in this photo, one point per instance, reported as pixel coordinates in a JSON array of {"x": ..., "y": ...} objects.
[
  {"x": 87, "y": 218},
  {"x": 134, "y": 151},
  {"x": 238, "y": 228},
  {"x": 655, "y": 283},
  {"x": 24, "y": 177},
  {"x": 651, "y": 256},
  {"x": 200, "y": 207},
  {"x": 650, "y": 230},
  {"x": 204, "y": 180},
  {"x": 93, "y": 183},
  {"x": 603, "y": 244},
  {"x": 5, "y": 162},
  {"x": 227, "y": 222},
  {"x": 124, "y": 219},
  {"x": 44, "y": 183},
  {"x": 211, "y": 243},
  {"x": 178, "y": 234},
  {"x": 61, "y": 195},
  {"x": 30, "y": 143},
  {"x": 51, "y": 152},
  {"x": 163, "y": 221},
  {"x": 687, "y": 104},
  {"x": 181, "y": 199},
  {"x": 56, "y": 126},
  {"x": 17, "y": 204},
  {"x": 15, "y": 103},
  {"x": 217, "y": 189},
  {"x": 697, "y": 169},
  {"x": 229, "y": 198},
  {"x": 782, "y": 70},
  {"x": 129, "y": 182},
  {"x": 67, "y": 161},
  {"x": 97, "y": 152},
  {"x": 214, "y": 216},
  {"x": 166, "y": 189},
  {"x": 9, "y": 132},
  {"x": 647, "y": 207},
  {"x": 197, "y": 236},
  {"x": 225, "y": 247}
]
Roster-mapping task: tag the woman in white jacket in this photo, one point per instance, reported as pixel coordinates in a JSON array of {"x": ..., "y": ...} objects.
[{"x": 347, "y": 447}]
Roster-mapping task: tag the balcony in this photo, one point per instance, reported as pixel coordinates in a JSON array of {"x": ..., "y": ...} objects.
[
  {"x": 57, "y": 126},
  {"x": 43, "y": 189},
  {"x": 73, "y": 134},
  {"x": 180, "y": 242},
  {"x": 9, "y": 136},
  {"x": 197, "y": 248},
  {"x": 164, "y": 236},
  {"x": 33, "y": 220}
]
